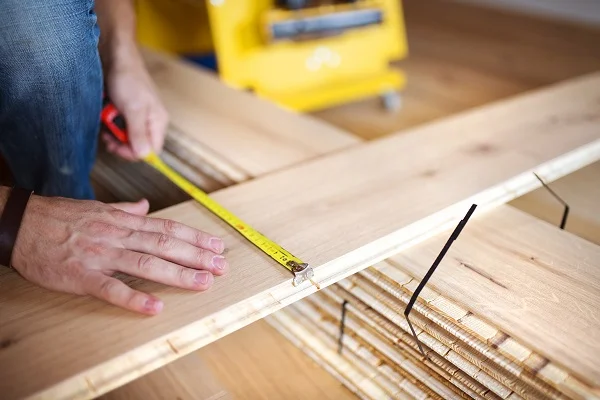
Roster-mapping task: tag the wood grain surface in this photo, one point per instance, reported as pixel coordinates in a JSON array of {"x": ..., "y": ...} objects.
[
  {"x": 233, "y": 130},
  {"x": 462, "y": 56},
  {"x": 356, "y": 379},
  {"x": 190, "y": 378},
  {"x": 255, "y": 362},
  {"x": 497, "y": 362},
  {"x": 526, "y": 277},
  {"x": 342, "y": 213},
  {"x": 579, "y": 189},
  {"x": 526, "y": 372}
]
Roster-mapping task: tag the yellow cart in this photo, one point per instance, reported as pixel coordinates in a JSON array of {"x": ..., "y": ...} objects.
[{"x": 304, "y": 59}]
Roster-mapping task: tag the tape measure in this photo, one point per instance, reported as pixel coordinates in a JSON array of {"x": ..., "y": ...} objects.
[{"x": 114, "y": 123}]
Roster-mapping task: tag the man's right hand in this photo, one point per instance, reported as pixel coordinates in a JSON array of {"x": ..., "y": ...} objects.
[{"x": 75, "y": 246}]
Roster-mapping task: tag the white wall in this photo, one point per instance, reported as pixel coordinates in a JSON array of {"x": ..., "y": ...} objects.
[{"x": 582, "y": 11}]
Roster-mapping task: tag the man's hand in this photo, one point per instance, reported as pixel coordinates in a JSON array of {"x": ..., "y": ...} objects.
[
  {"x": 128, "y": 83},
  {"x": 132, "y": 91},
  {"x": 75, "y": 246}
]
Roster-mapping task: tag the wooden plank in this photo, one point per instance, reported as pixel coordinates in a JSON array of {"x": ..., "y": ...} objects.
[
  {"x": 440, "y": 370},
  {"x": 235, "y": 130},
  {"x": 354, "y": 347},
  {"x": 437, "y": 318},
  {"x": 403, "y": 357},
  {"x": 340, "y": 213},
  {"x": 441, "y": 352},
  {"x": 526, "y": 277},
  {"x": 493, "y": 344},
  {"x": 358, "y": 340}
]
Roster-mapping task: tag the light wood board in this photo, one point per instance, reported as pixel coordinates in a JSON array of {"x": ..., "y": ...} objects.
[
  {"x": 236, "y": 132},
  {"x": 536, "y": 369},
  {"x": 500, "y": 355},
  {"x": 528, "y": 278},
  {"x": 340, "y": 213}
]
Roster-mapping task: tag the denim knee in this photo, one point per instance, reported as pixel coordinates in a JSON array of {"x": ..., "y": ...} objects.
[
  {"x": 45, "y": 46},
  {"x": 50, "y": 93}
]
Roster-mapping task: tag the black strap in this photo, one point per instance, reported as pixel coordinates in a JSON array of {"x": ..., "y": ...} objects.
[{"x": 10, "y": 222}]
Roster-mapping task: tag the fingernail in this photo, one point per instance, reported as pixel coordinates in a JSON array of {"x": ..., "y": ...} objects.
[
  {"x": 217, "y": 244},
  {"x": 153, "y": 305},
  {"x": 219, "y": 262},
  {"x": 144, "y": 150},
  {"x": 201, "y": 277}
]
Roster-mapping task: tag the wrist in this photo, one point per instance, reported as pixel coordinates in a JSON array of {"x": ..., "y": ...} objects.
[{"x": 11, "y": 218}]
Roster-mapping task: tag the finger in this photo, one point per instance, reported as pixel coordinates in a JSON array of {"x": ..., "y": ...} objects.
[
  {"x": 180, "y": 231},
  {"x": 110, "y": 142},
  {"x": 157, "y": 125},
  {"x": 116, "y": 292},
  {"x": 139, "y": 208},
  {"x": 125, "y": 152},
  {"x": 137, "y": 129},
  {"x": 177, "y": 251},
  {"x": 107, "y": 138},
  {"x": 158, "y": 270},
  {"x": 116, "y": 147}
]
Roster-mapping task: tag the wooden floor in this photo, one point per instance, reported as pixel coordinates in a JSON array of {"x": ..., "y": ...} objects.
[
  {"x": 460, "y": 57},
  {"x": 258, "y": 363}
]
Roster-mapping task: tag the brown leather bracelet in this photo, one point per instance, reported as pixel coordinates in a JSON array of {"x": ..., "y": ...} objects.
[{"x": 10, "y": 222}]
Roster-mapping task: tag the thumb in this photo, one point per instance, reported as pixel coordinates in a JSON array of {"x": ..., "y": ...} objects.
[
  {"x": 140, "y": 208},
  {"x": 137, "y": 129}
]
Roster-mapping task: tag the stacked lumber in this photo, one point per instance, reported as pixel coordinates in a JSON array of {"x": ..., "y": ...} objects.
[
  {"x": 218, "y": 136},
  {"x": 511, "y": 314}
]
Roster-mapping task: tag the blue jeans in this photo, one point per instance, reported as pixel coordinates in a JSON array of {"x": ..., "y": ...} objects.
[{"x": 50, "y": 94}]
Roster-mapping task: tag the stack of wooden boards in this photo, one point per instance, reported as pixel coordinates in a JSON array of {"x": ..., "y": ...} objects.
[
  {"x": 511, "y": 314},
  {"x": 218, "y": 136},
  {"x": 341, "y": 213}
]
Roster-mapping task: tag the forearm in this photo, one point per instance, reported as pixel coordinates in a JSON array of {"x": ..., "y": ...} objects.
[
  {"x": 128, "y": 82},
  {"x": 117, "y": 46}
]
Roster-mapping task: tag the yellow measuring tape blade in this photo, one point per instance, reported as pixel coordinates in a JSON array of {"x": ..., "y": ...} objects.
[{"x": 302, "y": 271}]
